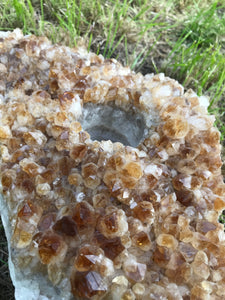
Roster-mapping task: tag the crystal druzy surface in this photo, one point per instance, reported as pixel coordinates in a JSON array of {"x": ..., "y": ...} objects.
[{"x": 133, "y": 215}]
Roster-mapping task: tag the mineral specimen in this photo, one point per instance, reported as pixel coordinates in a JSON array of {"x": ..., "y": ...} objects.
[{"x": 110, "y": 180}]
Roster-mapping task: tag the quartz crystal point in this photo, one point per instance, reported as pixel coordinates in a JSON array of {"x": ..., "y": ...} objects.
[{"x": 110, "y": 180}]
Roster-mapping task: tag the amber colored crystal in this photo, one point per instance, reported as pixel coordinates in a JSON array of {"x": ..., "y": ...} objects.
[
  {"x": 49, "y": 247},
  {"x": 6, "y": 180},
  {"x": 60, "y": 118},
  {"x": 189, "y": 151},
  {"x": 212, "y": 137},
  {"x": 128, "y": 295},
  {"x": 115, "y": 162},
  {"x": 27, "y": 210},
  {"x": 75, "y": 179},
  {"x": 84, "y": 215},
  {"x": 86, "y": 285},
  {"x": 128, "y": 182},
  {"x": 100, "y": 200},
  {"x": 76, "y": 127},
  {"x": 35, "y": 138},
  {"x": 178, "y": 182},
  {"x": 66, "y": 97},
  {"x": 152, "y": 181},
  {"x": 24, "y": 239},
  {"x": 161, "y": 256},
  {"x": 219, "y": 188},
  {"x": 181, "y": 182},
  {"x": 110, "y": 222},
  {"x": 80, "y": 86},
  {"x": 186, "y": 166},
  {"x": 62, "y": 142},
  {"x": 200, "y": 266},
  {"x": 87, "y": 257},
  {"x": 112, "y": 247},
  {"x": 176, "y": 128},
  {"x": 65, "y": 225},
  {"x": 170, "y": 225},
  {"x": 54, "y": 85},
  {"x": 111, "y": 94},
  {"x": 18, "y": 155},
  {"x": 43, "y": 94},
  {"x": 176, "y": 261},
  {"x": 142, "y": 240},
  {"x": 65, "y": 164},
  {"x": 144, "y": 211},
  {"x": 196, "y": 182},
  {"x": 48, "y": 175},
  {"x": 28, "y": 185},
  {"x": 179, "y": 272},
  {"x": 113, "y": 224},
  {"x": 14, "y": 144},
  {"x": 31, "y": 168},
  {"x": 89, "y": 173},
  {"x": 167, "y": 240},
  {"x": 219, "y": 204},
  {"x": 199, "y": 293},
  {"x": 132, "y": 169},
  {"x": 185, "y": 197},
  {"x": 78, "y": 151},
  {"x": 52, "y": 73},
  {"x": 210, "y": 163},
  {"x": 4, "y": 132}
]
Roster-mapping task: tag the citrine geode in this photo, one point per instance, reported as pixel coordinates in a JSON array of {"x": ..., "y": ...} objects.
[{"x": 132, "y": 215}]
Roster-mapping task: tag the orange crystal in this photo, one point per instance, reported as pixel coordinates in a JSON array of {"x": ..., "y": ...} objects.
[
  {"x": 88, "y": 284},
  {"x": 66, "y": 226},
  {"x": 50, "y": 246}
]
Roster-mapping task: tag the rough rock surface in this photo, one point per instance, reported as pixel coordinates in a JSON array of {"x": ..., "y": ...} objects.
[{"x": 131, "y": 215}]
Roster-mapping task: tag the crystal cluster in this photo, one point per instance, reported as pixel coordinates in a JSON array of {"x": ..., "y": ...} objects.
[{"x": 99, "y": 219}]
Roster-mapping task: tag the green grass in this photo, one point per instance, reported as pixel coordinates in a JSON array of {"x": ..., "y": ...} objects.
[
  {"x": 197, "y": 57},
  {"x": 6, "y": 287},
  {"x": 183, "y": 38}
]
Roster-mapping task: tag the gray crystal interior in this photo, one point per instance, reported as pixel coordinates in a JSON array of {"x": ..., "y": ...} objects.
[{"x": 104, "y": 122}]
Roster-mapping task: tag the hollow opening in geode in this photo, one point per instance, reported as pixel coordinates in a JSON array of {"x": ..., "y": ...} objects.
[{"x": 104, "y": 122}]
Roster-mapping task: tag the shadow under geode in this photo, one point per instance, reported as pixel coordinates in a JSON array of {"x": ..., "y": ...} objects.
[{"x": 6, "y": 286}]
